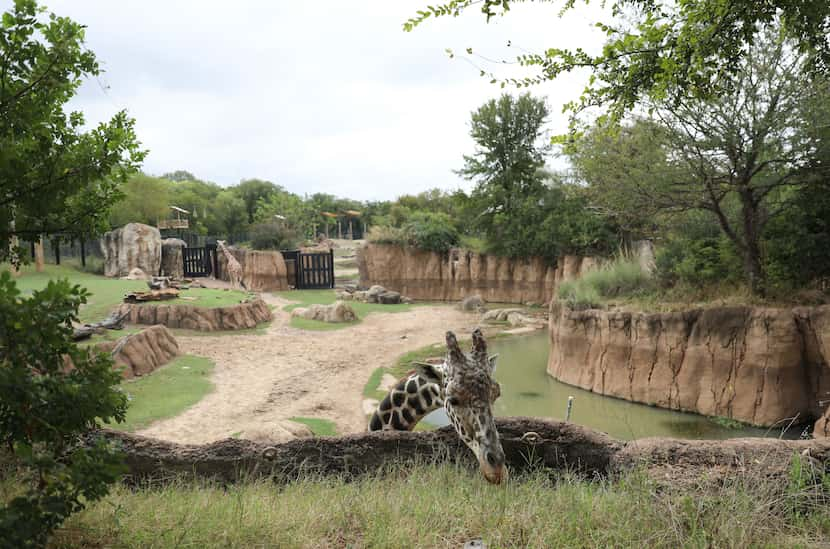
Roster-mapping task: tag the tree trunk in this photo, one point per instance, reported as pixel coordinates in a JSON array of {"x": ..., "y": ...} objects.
[
  {"x": 39, "y": 254},
  {"x": 753, "y": 267}
]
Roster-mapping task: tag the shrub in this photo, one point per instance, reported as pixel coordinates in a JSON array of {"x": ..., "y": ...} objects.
[
  {"x": 45, "y": 407},
  {"x": 385, "y": 234},
  {"x": 696, "y": 261},
  {"x": 621, "y": 277},
  {"x": 431, "y": 231},
  {"x": 273, "y": 236}
]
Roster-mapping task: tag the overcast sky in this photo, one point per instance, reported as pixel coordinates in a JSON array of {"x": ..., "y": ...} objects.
[{"x": 326, "y": 96}]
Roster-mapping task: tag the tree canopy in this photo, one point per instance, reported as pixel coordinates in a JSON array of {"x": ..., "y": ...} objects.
[
  {"x": 54, "y": 176},
  {"x": 663, "y": 48}
]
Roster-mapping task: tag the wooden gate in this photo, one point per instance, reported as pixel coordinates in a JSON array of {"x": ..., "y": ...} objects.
[
  {"x": 199, "y": 261},
  {"x": 312, "y": 270}
]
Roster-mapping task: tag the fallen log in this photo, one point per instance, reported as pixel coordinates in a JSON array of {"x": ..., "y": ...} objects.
[
  {"x": 113, "y": 322},
  {"x": 527, "y": 442},
  {"x": 152, "y": 295}
]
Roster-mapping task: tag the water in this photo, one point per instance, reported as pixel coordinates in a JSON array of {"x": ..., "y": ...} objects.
[{"x": 527, "y": 390}]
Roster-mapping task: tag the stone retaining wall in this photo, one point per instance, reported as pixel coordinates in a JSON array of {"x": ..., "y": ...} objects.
[
  {"x": 450, "y": 277},
  {"x": 752, "y": 364},
  {"x": 204, "y": 319},
  {"x": 142, "y": 353}
]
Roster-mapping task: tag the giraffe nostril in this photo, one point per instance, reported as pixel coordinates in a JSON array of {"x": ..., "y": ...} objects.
[{"x": 491, "y": 459}]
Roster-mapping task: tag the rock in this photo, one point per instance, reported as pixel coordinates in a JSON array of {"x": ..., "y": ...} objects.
[
  {"x": 350, "y": 288},
  {"x": 821, "y": 429},
  {"x": 142, "y": 353},
  {"x": 472, "y": 303},
  {"x": 136, "y": 274},
  {"x": 334, "y": 313},
  {"x": 753, "y": 364},
  {"x": 172, "y": 260},
  {"x": 204, "y": 319},
  {"x": 516, "y": 319},
  {"x": 407, "y": 300},
  {"x": 345, "y": 296},
  {"x": 262, "y": 271},
  {"x": 390, "y": 298},
  {"x": 134, "y": 245},
  {"x": 359, "y": 296},
  {"x": 424, "y": 275},
  {"x": 375, "y": 290}
]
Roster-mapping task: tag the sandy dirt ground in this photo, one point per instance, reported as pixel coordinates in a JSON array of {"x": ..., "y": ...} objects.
[{"x": 261, "y": 380}]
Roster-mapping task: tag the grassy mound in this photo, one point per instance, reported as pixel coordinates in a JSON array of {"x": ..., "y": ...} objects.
[{"x": 305, "y": 298}]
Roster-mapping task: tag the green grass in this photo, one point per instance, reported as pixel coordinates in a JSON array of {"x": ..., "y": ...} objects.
[
  {"x": 107, "y": 293},
  {"x": 166, "y": 392},
  {"x": 204, "y": 297},
  {"x": 621, "y": 277},
  {"x": 305, "y": 298},
  {"x": 318, "y": 426},
  {"x": 447, "y": 506}
]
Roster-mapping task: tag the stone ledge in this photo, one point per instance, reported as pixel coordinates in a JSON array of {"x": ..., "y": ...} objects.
[{"x": 188, "y": 317}]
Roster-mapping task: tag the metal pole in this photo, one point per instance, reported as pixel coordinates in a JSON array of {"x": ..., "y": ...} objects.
[{"x": 570, "y": 407}]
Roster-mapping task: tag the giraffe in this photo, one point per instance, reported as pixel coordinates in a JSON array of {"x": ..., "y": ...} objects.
[
  {"x": 233, "y": 266},
  {"x": 463, "y": 384}
]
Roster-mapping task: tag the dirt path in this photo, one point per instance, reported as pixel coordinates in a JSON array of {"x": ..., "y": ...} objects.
[{"x": 263, "y": 379}]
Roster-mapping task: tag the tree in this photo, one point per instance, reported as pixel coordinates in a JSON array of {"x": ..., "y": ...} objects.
[
  {"x": 227, "y": 215},
  {"x": 737, "y": 152},
  {"x": 506, "y": 164},
  {"x": 54, "y": 177},
  {"x": 146, "y": 200},
  {"x": 664, "y": 48},
  {"x": 180, "y": 175},
  {"x": 251, "y": 191}
]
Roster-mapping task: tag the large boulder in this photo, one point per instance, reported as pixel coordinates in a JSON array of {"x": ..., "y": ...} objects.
[
  {"x": 133, "y": 246},
  {"x": 143, "y": 352},
  {"x": 336, "y": 312},
  {"x": 472, "y": 303},
  {"x": 172, "y": 260}
]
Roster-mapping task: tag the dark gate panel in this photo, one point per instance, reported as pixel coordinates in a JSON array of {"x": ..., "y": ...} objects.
[
  {"x": 199, "y": 261},
  {"x": 312, "y": 271}
]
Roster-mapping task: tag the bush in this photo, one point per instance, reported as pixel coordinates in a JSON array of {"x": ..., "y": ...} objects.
[
  {"x": 385, "y": 234},
  {"x": 45, "y": 407},
  {"x": 621, "y": 277},
  {"x": 696, "y": 262},
  {"x": 431, "y": 231},
  {"x": 273, "y": 236}
]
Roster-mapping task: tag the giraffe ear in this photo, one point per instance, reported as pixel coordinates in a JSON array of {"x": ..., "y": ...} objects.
[
  {"x": 432, "y": 372},
  {"x": 491, "y": 361}
]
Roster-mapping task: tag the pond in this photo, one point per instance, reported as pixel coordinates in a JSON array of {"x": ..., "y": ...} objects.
[{"x": 527, "y": 390}]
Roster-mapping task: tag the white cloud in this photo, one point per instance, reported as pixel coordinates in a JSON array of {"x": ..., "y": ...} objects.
[{"x": 326, "y": 96}]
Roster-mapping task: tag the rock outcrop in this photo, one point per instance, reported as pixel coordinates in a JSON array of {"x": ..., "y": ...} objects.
[
  {"x": 142, "y": 353},
  {"x": 132, "y": 246},
  {"x": 426, "y": 275},
  {"x": 205, "y": 319},
  {"x": 756, "y": 365},
  {"x": 334, "y": 313},
  {"x": 172, "y": 260},
  {"x": 262, "y": 271}
]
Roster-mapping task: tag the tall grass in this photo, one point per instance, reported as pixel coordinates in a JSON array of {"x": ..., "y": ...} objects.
[
  {"x": 448, "y": 505},
  {"x": 617, "y": 278}
]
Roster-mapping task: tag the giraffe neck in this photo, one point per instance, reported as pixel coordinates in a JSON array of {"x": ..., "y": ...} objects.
[{"x": 406, "y": 404}]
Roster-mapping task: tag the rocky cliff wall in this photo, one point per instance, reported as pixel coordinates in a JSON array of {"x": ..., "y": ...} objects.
[
  {"x": 756, "y": 365},
  {"x": 132, "y": 246},
  {"x": 449, "y": 277},
  {"x": 262, "y": 271}
]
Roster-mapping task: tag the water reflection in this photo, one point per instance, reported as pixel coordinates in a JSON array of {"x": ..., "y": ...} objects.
[{"x": 527, "y": 390}]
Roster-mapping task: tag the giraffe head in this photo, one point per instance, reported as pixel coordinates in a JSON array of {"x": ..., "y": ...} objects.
[{"x": 469, "y": 393}]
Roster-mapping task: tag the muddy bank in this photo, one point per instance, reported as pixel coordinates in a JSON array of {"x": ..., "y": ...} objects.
[
  {"x": 527, "y": 442},
  {"x": 460, "y": 273},
  {"x": 204, "y": 319},
  {"x": 755, "y": 365}
]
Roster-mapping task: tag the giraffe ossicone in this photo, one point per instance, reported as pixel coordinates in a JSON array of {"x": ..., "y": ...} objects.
[{"x": 463, "y": 384}]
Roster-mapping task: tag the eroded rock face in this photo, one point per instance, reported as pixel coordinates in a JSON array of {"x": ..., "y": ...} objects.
[
  {"x": 172, "y": 262},
  {"x": 142, "y": 353},
  {"x": 757, "y": 365},
  {"x": 426, "y": 275},
  {"x": 133, "y": 246},
  {"x": 262, "y": 271},
  {"x": 236, "y": 317}
]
